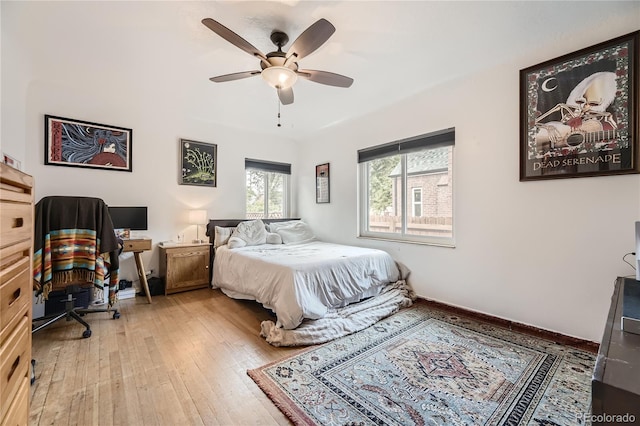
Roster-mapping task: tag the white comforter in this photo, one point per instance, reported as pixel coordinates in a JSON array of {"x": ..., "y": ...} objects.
[{"x": 301, "y": 281}]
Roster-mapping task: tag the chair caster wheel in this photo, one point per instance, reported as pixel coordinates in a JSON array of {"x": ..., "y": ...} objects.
[
  {"x": 86, "y": 333},
  {"x": 116, "y": 315}
]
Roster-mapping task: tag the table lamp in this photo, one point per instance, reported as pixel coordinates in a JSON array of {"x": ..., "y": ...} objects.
[{"x": 197, "y": 217}]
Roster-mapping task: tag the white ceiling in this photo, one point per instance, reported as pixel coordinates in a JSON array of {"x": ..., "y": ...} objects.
[{"x": 392, "y": 50}]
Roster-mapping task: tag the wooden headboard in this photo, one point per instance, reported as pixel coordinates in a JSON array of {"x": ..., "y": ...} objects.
[{"x": 227, "y": 223}]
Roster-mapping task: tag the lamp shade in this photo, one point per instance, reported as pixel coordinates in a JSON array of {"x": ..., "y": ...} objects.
[
  {"x": 279, "y": 77},
  {"x": 197, "y": 217}
]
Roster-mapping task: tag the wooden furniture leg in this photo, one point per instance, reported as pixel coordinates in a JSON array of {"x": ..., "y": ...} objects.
[{"x": 141, "y": 274}]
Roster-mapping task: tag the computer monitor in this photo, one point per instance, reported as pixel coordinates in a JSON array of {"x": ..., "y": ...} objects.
[{"x": 133, "y": 218}]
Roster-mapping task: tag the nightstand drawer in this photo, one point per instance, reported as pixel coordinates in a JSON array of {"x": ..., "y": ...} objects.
[
  {"x": 15, "y": 355},
  {"x": 136, "y": 245}
]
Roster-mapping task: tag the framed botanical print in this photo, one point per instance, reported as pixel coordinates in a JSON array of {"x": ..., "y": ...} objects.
[
  {"x": 198, "y": 163},
  {"x": 578, "y": 113}
]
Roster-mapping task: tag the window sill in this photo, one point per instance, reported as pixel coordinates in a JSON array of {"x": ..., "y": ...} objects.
[{"x": 397, "y": 240}]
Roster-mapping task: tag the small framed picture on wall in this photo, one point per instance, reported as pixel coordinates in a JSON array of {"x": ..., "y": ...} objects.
[
  {"x": 198, "y": 163},
  {"x": 322, "y": 183}
]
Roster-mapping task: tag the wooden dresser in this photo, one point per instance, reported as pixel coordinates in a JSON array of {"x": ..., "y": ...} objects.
[{"x": 16, "y": 289}]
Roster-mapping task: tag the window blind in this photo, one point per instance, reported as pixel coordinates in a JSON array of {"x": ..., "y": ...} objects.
[
  {"x": 446, "y": 137},
  {"x": 267, "y": 166}
]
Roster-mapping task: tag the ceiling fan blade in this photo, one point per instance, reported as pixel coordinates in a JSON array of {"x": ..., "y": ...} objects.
[
  {"x": 286, "y": 96},
  {"x": 234, "y": 76},
  {"x": 311, "y": 39},
  {"x": 232, "y": 37},
  {"x": 325, "y": 77}
]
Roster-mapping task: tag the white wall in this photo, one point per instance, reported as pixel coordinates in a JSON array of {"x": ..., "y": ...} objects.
[
  {"x": 154, "y": 180},
  {"x": 543, "y": 253}
]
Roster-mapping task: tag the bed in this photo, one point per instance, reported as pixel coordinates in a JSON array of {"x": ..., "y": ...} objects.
[{"x": 298, "y": 277}]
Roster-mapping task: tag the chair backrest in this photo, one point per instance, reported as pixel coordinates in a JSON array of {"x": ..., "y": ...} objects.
[{"x": 71, "y": 237}]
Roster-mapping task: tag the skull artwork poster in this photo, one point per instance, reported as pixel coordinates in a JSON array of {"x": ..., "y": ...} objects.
[{"x": 576, "y": 115}]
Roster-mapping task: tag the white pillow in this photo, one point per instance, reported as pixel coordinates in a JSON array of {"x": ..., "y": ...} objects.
[
  {"x": 273, "y": 238},
  {"x": 235, "y": 242},
  {"x": 221, "y": 236},
  {"x": 296, "y": 233},
  {"x": 274, "y": 226},
  {"x": 252, "y": 232}
]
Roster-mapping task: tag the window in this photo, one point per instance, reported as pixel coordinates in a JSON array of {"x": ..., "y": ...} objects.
[
  {"x": 267, "y": 189},
  {"x": 405, "y": 189},
  {"x": 417, "y": 202}
]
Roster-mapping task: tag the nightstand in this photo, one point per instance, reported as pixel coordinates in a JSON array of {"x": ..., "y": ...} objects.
[{"x": 184, "y": 266}]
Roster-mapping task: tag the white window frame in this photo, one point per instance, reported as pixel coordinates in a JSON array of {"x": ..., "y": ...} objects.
[
  {"x": 429, "y": 141},
  {"x": 268, "y": 168}
]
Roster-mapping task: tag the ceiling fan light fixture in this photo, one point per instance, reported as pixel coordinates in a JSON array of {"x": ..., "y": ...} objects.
[
  {"x": 280, "y": 69},
  {"x": 279, "y": 77}
]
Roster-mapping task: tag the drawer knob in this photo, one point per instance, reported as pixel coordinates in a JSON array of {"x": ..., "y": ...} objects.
[
  {"x": 18, "y": 222},
  {"x": 14, "y": 367}
]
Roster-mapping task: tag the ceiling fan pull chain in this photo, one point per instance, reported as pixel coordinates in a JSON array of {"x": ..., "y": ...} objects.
[{"x": 279, "y": 111}]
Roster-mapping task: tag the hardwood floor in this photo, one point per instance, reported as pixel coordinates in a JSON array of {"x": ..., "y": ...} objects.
[{"x": 179, "y": 361}]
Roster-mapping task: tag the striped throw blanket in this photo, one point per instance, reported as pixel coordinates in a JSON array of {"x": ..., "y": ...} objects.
[{"x": 74, "y": 243}]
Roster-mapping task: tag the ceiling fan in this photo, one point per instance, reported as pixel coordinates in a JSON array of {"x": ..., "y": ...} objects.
[{"x": 280, "y": 69}]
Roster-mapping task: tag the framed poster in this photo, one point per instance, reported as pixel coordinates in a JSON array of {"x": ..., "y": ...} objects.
[
  {"x": 322, "y": 183},
  {"x": 78, "y": 143},
  {"x": 578, "y": 113},
  {"x": 198, "y": 163}
]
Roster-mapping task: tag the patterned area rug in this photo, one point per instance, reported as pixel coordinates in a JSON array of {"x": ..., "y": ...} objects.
[{"x": 424, "y": 366}]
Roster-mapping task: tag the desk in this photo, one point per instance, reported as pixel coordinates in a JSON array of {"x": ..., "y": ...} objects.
[{"x": 137, "y": 246}]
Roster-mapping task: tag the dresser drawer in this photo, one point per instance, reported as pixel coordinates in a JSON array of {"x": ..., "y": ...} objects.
[
  {"x": 15, "y": 354},
  {"x": 19, "y": 408},
  {"x": 15, "y": 290},
  {"x": 16, "y": 222},
  {"x": 15, "y": 185}
]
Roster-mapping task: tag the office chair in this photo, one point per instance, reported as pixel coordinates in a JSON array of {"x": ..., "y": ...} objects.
[{"x": 75, "y": 247}]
